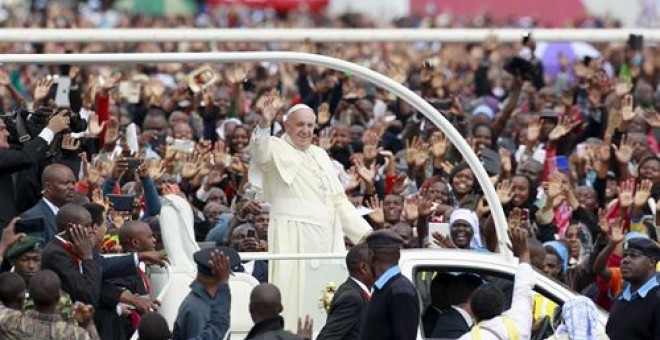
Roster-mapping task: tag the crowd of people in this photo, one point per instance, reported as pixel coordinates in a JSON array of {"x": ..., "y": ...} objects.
[{"x": 573, "y": 156}]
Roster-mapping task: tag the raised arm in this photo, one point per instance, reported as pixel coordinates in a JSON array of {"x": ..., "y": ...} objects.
[
  {"x": 521, "y": 304},
  {"x": 218, "y": 324},
  {"x": 259, "y": 148}
]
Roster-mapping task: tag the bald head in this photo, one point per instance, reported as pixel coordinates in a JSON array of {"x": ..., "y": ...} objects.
[
  {"x": 45, "y": 288},
  {"x": 53, "y": 171},
  {"x": 130, "y": 230},
  {"x": 137, "y": 236},
  {"x": 265, "y": 302},
  {"x": 72, "y": 214}
]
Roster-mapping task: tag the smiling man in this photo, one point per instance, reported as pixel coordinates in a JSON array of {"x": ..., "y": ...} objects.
[{"x": 309, "y": 211}]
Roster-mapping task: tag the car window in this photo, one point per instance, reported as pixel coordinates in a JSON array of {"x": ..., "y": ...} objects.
[{"x": 546, "y": 304}]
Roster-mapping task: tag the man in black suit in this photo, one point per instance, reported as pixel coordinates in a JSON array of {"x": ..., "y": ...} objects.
[
  {"x": 439, "y": 301},
  {"x": 58, "y": 183},
  {"x": 393, "y": 311},
  {"x": 351, "y": 299},
  {"x": 124, "y": 282},
  {"x": 457, "y": 320},
  {"x": 12, "y": 161},
  {"x": 71, "y": 255},
  {"x": 136, "y": 236},
  {"x": 244, "y": 238}
]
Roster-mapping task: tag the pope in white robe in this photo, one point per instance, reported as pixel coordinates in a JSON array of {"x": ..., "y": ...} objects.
[{"x": 310, "y": 213}]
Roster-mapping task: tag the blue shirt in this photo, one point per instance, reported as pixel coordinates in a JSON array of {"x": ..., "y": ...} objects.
[
  {"x": 386, "y": 276},
  {"x": 641, "y": 292}
]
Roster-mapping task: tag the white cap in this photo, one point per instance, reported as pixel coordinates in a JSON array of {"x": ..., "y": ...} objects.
[{"x": 295, "y": 108}]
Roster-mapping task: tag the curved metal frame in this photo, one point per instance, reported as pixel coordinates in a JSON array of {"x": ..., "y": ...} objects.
[{"x": 302, "y": 58}]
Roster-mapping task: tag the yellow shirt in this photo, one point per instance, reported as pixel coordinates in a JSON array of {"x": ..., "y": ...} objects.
[{"x": 543, "y": 307}]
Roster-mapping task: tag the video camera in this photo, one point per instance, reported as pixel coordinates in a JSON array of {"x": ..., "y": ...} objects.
[{"x": 24, "y": 125}]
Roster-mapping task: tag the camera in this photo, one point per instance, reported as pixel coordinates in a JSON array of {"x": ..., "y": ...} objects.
[
  {"x": 519, "y": 67},
  {"x": 24, "y": 125}
]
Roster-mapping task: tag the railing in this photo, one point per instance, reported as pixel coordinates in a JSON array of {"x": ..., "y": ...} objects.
[
  {"x": 318, "y": 35},
  {"x": 294, "y": 57}
]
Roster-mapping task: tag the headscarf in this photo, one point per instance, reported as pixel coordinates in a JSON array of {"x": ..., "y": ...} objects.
[
  {"x": 561, "y": 249},
  {"x": 580, "y": 319},
  {"x": 221, "y": 129},
  {"x": 471, "y": 218}
]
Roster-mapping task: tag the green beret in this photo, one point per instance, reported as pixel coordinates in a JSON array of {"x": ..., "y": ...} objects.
[{"x": 28, "y": 243}]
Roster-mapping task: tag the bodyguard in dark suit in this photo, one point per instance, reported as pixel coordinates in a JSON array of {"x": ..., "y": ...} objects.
[
  {"x": 393, "y": 311},
  {"x": 456, "y": 320},
  {"x": 58, "y": 183},
  {"x": 439, "y": 301},
  {"x": 70, "y": 255},
  {"x": 350, "y": 301},
  {"x": 12, "y": 161}
]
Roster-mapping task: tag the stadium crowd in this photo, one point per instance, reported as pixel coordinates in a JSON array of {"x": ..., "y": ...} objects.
[{"x": 573, "y": 154}]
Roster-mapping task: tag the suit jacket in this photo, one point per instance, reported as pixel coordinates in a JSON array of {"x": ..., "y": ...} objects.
[
  {"x": 84, "y": 287},
  {"x": 114, "y": 270},
  {"x": 450, "y": 325},
  {"x": 41, "y": 209},
  {"x": 345, "y": 316},
  {"x": 115, "y": 267},
  {"x": 429, "y": 319},
  {"x": 260, "y": 271},
  {"x": 11, "y": 162},
  {"x": 393, "y": 311}
]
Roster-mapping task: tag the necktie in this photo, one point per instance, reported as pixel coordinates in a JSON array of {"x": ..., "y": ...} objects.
[
  {"x": 145, "y": 280},
  {"x": 366, "y": 295}
]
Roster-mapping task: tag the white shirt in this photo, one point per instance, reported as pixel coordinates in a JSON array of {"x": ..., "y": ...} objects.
[
  {"x": 47, "y": 135},
  {"x": 52, "y": 206},
  {"x": 466, "y": 316},
  {"x": 249, "y": 267},
  {"x": 362, "y": 286},
  {"x": 520, "y": 311}
]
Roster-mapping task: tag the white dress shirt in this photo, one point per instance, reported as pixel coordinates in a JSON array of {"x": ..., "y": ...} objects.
[
  {"x": 520, "y": 312},
  {"x": 466, "y": 316},
  {"x": 52, "y": 206},
  {"x": 362, "y": 286}
]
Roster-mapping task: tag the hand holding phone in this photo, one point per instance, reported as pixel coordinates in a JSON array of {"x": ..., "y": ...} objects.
[
  {"x": 121, "y": 202},
  {"x": 30, "y": 225}
]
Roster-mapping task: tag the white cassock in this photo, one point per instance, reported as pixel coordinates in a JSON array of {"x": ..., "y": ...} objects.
[{"x": 309, "y": 211}]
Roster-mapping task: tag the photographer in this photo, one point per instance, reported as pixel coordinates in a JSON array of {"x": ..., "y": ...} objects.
[{"x": 13, "y": 161}]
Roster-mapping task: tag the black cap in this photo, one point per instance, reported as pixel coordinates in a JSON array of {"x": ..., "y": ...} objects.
[
  {"x": 384, "y": 238},
  {"x": 26, "y": 244},
  {"x": 645, "y": 246},
  {"x": 203, "y": 260}
]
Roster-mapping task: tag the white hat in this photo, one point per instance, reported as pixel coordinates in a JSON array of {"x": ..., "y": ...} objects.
[{"x": 294, "y": 109}]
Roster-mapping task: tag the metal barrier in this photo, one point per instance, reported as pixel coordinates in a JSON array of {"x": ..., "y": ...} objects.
[{"x": 318, "y": 35}]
